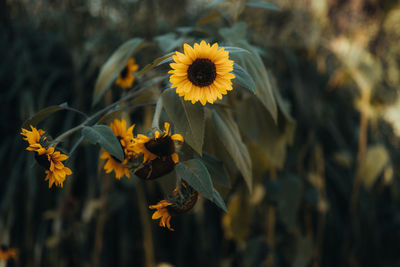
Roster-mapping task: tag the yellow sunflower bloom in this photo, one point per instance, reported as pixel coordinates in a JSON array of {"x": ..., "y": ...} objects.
[
  {"x": 162, "y": 212},
  {"x": 125, "y": 137},
  {"x": 160, "y": 145},
  {"x": 125, "y": 78},
  {"x": 32, "y": 137},
  {"x": 56, "y": 172},
  {"x": 8, "y": 253},
  {"x": 202, "y": 73},
  {"x": 182, "y": 200},
  {"x": 48, "y": 158}
]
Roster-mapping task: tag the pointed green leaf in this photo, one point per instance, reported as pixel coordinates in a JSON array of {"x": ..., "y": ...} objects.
[
  {"x": 216, "y": 169},
  {"x": 188, "y": 118},
  {"x": 157, "y": 62},
  {"x": 253, "y": 65},
  {"x": 196, "y": 175},
  {"x": 42, "y": 114},
  {"x": 217, "y": 199},
  {"x": 215, "y": 3},
  {"x": 114, "y": 65},
  {"x": 168, "y": 41},
  {"x": 261, "y": 4},
  {"x": 235, "y": 50},
  {"x": 243, "y": 78},
  {"x": 234, "y": 33},
  {"x": 102, "y": 135},
  {"x": 229, "y": 135}
]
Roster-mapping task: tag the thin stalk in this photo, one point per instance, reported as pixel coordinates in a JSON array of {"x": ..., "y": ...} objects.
[
  {"x": 146, "y": 226},
  {"x": 271, "y": 222},
  {"x": 128, "y": 97},
  {"x": 157, "y": 114}
]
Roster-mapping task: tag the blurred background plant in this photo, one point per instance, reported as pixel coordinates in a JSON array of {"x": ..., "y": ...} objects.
[{"x": 331, "y": 198}]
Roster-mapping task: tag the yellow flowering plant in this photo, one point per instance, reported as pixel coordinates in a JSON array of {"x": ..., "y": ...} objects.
[{"x": 197, "y": 92}]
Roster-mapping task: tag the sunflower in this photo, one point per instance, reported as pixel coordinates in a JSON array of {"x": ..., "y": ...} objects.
[
  {"x": 33, "y": 137},
  {"x": 8, "y": 253},
  {"x": 202, "y": 73},
  {"x": 125, "y": 137},
  {"x": 125, "y": 78},
  {"x": 48, "y": 158},
  {"x": 182, "y": 200},
  {"x": 161, "y": 145}
]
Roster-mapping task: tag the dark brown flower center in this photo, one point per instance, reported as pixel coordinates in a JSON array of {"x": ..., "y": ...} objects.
[
  {"x": 124, "y": 73},
  {"x": 156, "y": 168},
  {"x": 43, "y": 160},
  {"x": 202, "y": 72},
  {"x": 183, "y": 202},
  {"x": 161, "y": 147}
]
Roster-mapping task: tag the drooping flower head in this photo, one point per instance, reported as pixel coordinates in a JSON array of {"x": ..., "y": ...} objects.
[
  {"x": 182, "y": 200},
  {"x": 48, "y": 158},
  {"x": 7, "y": 253},
  {"x": 125, "y": 137},
  {"x": 34, "y": 138},
  {"x": 202, "y": 73},
  {"x": 125, "y": 78},
  {"x": 161, "y": 145}
]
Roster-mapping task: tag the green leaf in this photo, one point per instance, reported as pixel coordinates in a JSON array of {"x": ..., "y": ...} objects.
[
  {"x": 42, "y": 114},
  {"x": 235, "y": 50},
  {"x": 243, "y": 78},
  {"x": 261, "y": 4},
  {"x": 102, "y": 135},
  {"x": 215, "y": 3},
  {"x": 228, "y": 133},
  {"x": 267, "y": 140},
  {"x": 217, "y": 199},
  {"x": 168, "y": 41},
  {"x": 196, "y": 175},
  {"x": 236, "y": 32},
  {"x": 114, "y": 65},
  {"x": 254, "y": 65},
  {"x": 216, "y": 169},
  {"x": 157, "y": 62},
  {"x": 188, "y": 118}
]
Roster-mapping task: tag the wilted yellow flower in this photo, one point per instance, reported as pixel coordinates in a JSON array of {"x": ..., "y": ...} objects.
[
  {"x": 8, "y": 253},
  {"x": 48, "y": 158},
  {"x": 182, "y": 200},
  {"x": 161, "y": 145}
]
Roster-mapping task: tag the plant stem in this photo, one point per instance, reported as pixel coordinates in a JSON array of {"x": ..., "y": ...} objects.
[{"x": 128, "y": 97}]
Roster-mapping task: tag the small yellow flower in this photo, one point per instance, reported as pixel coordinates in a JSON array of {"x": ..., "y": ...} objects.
[
  {"x": 48, "y": 158},
  {"x": 56, "y": 172},
  {"x": 8, "y": 253},
  {"x": 125, "y": 78},
  {"x": 160, "y": 145},
  {"x": 182, "y": 201},
  {"x": 33, "y": 137},
  {"x": 202, "y": 73},
  {"x": 125, "y": 137},
  {"x": 162, "y": 212}
]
